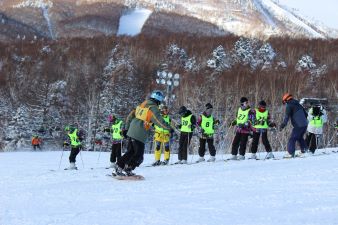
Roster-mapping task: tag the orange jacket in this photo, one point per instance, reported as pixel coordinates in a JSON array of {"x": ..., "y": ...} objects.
[{"x": 36, "y": 141}]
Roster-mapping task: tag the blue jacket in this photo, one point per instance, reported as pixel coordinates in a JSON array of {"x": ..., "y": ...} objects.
[{"x": 296, "y": 113}]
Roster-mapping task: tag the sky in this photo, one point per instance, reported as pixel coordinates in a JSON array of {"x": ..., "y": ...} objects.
[{"x": 324, "y": 11}]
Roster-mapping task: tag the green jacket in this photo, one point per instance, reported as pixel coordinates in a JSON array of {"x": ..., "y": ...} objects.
[{"x": 136, "y": 128}]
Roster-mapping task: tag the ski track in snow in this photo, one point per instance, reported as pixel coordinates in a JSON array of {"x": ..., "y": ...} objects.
[
  {"x": 265, "y": 14},
  {"x": 284, "y": 14},
  {"x": 279, "y": 192},
  {"x": 47, "y": 18}
]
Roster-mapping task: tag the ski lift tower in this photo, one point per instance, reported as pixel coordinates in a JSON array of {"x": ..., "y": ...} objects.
[{"x": 170, "y": 80}]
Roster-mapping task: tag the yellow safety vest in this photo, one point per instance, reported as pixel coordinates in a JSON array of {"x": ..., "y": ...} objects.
[
  {"x": 186, "y": 124},
  {"x": 242, "y": 116},
  {"x": 207, "y": 124},
  {"x": 116, "y": 128},
  {"x": 261, "y": 121}
]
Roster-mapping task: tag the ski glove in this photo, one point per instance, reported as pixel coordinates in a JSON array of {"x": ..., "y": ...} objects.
[
  {"x": 272, "y": 125},
  {"x": 65, "y": 144},
  {"x": 282, "y": 126},
  {"x": 233, "y": 123},
  {"x": 124, "y": 133}
]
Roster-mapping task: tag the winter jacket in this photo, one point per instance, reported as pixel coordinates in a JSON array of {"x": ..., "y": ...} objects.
[
  {"x": 136, "y": 127},
  {"x": 296, "y": 113},
  {"x": 36, "y": 141},
  {"x": 313, "y": 129}
]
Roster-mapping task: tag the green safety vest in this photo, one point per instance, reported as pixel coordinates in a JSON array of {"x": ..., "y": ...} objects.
[
  {"x": 161, "y": 130},
  {"x": 317, "y": 121},
  {"x": 261, "y": 121},
  {"x": 116, "y": 131},
  {"x": 207, "y": 124},
  {"x": 186, "y": 124},
  {"x": 74, "y": 139},
  {"x": 242, "y": 116}
]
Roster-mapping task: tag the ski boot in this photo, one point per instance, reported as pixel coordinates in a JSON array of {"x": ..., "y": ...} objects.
[
  {"x": 233, "y": 157},
  {"x": 156, "y": 163},
  {"x": 201, "y": 159},
  {"x": 269, "y": 155},
  {"x": 300, "y": 154},
  {"x": 241, "y": 157},
  {"x": 165, "y": 162},
  {"x": 253, "y": 156},
  {"x": 184, "y": 162},
  {"x": 128, "y": 172},
  {"x": 118, "y": 171},
  {"x": 287, "y": 155},
  {"x": 71, "y": 167},
  {"x": 211, "y": 159}
]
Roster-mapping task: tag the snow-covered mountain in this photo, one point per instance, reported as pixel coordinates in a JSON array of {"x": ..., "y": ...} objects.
[{"x": 61, "y": 18}]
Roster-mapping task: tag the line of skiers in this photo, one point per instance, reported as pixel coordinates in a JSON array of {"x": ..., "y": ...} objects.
[{"x": 248, "y": 122}]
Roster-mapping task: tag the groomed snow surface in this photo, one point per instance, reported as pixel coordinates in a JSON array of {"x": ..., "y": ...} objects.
[{"x": 295, "y": 191}]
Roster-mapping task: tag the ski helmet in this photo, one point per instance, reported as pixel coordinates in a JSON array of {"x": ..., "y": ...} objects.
[
  {"x": 157, "y": 95},
  {"x": 286, "y": 97}
]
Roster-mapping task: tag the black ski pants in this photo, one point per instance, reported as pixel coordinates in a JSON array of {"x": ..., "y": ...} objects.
[
  {"x": 255, "y": 141},
  {"x": 184, "y": 143},
  {"x": 134, "y": 155},
  {"x": 201, "y": 150},
  {"x": 115, "y": 152},
  {"x": 240, "y": 140},
  {"x": 36, "y": 146},
  {"x": 73, "y": 153},
  {"x": 311, "y": 141}
]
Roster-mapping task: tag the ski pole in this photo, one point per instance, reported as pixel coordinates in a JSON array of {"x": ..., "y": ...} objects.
[
  {"x": 81, "y": 157},
  {"x": 63, "y": 149},
  {"x": 98, "y": 158}
]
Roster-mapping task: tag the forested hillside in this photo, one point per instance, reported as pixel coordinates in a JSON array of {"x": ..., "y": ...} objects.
[{"x": 45, "y": 85}]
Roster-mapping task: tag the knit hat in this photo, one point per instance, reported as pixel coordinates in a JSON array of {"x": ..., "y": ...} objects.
[
  {"x": 244, "y": 99},
  {"x": 208, "y": 106},
  {"x": 262, "y": 104}
]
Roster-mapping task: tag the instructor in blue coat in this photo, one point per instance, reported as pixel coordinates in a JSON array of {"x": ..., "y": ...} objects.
[{"x": 298, "y": 116}]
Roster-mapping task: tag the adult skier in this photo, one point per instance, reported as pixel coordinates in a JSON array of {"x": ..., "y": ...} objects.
[
  {"x": 162, "y": 139},
  {"x": 261, "y": 125},
  {"x": 74, "y": 140},
  {"x": 317, "y": 117},
  {"x": 243, "y": 123},
  {"x": 187, "y": 126},
  {"x": 138, "y": 124},
  {"x": 117, "y": 131},
  {"x": 207, "y": 124},
  {"x": 296, "y": 113}
]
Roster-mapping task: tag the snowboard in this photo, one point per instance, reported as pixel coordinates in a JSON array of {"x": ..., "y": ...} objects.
[{"x": 135, "y": 177}]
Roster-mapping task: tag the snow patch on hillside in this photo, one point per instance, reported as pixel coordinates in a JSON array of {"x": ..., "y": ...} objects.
[
  {"x": 35, "y": 4},
  {"x": 283, "y": 15},
  {"x": 132, "y": 22}
]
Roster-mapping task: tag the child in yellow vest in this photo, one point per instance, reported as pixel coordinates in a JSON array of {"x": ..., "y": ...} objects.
[{"x": 162, "y": 140}]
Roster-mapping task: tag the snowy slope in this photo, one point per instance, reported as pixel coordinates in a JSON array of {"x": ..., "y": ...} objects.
[{"x": 295, "y": 192}]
